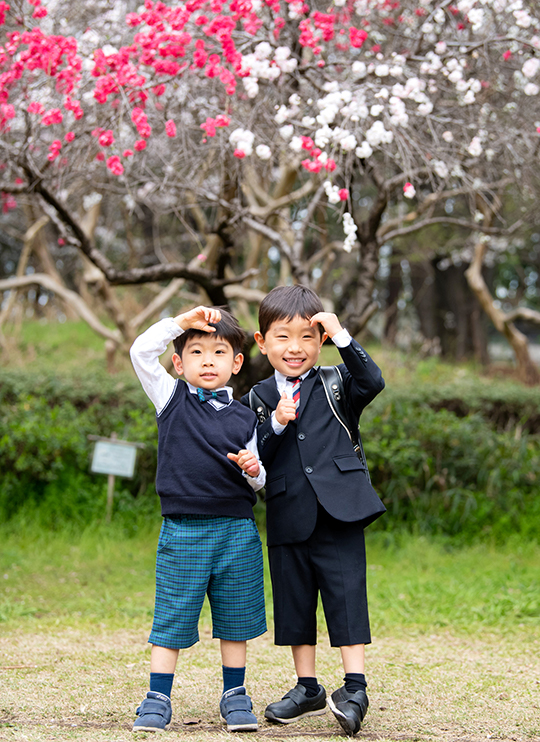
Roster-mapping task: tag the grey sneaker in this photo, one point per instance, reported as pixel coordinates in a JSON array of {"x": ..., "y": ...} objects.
[
  {"x": 154, "y": 713},
  {"x": 236, "y": 711},
  {"x": 349, "y": 708}
]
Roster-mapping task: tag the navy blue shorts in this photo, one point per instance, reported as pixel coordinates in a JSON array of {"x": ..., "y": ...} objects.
[
  {"x": 205, "y": 555},
  {"x": 331, "y": 562}
]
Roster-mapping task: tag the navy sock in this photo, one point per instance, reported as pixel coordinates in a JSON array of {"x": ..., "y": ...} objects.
[
  {"x": 233, "y": 677},
  {"x": 355, "y": 681},
  {"x": 162, "y": 682},
  {"x": 311, "y": 686}
]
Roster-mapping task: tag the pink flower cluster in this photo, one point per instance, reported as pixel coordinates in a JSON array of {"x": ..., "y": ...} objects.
[
  {"x": 7, "y": 112},
  {"x": 8, "y": 202},
  {"x": 114, "y": 165},
  {"x": 54, "y": 116},
  {"x": 318, "y": 160},
  {"x": 140, "y": 119},
  {"x": 210, "y": 125},
  {"x": 54, "y": 150}
]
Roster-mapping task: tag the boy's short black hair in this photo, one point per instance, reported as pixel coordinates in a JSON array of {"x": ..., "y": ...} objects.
[
  {"x": 227, "y": 329},
  {"x": 287, "y": 302}
]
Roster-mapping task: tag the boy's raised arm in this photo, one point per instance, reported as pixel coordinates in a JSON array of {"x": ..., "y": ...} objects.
[
  {"x": 365, "y": 380},
  {"x": 145, "y": 353}
]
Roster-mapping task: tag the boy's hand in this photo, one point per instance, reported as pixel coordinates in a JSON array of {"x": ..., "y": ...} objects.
[
  {"x": 247, "y": 461},
  {"x": 329, "y": 321},
  {"x": 198, "y": 319},
  {"x": 286, "y": 410}
]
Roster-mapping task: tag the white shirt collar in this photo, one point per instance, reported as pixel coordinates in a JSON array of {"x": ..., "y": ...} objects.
[{"x": 281, "y": 379}]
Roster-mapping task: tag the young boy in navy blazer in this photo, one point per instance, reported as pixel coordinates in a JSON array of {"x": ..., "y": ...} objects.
[
  {"x": 318, "y": 500},
  {"x": 207, "y": 474}
]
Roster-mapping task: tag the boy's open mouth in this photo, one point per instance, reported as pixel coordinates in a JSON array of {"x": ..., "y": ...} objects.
[{"x": 294, "y": 361}]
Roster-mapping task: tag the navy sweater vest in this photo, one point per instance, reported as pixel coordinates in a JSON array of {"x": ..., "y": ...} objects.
[{"x": 194, "y": 475}]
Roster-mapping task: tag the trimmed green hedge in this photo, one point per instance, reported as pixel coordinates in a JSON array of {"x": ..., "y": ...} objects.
[
  {"x": 468, "y": 471},
  {"x": 505, "y": 405},
  {"x": 440, "y": 473}
]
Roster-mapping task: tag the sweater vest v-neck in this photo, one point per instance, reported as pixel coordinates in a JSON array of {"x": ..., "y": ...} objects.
[{"x": 194, "y": 475}]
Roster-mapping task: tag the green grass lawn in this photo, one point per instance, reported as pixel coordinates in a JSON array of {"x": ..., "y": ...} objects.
[
  {"x": 455, "y": 652},
  {"x": 102, "y": 576}
]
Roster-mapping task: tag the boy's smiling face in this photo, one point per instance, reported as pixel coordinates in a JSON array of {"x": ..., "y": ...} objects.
[
  {"x": 207, "y": 361},
  {"x": 292, "y": 346}
]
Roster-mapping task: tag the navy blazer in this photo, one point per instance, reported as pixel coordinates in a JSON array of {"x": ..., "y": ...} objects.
[{"x": 313, "y": 459}]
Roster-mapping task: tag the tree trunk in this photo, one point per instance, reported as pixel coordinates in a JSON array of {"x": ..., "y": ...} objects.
[
  {"x": 364, "y": 283},
  {"x": 425, "y": 298},
  {"x": 460, "y": 325},
  {"x": 391, "y": 313},
  {"x": 527, "y": 369}
]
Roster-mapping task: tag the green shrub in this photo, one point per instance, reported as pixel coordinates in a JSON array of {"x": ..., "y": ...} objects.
[
  {"x": 438, "y": 470},
  {"x": 439, "y": 473},
  {"x": 45, "y": 453},
  {"x": 507, "y": 406}
]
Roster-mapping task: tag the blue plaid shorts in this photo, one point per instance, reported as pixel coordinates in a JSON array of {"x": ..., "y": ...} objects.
[{"x": 201, "y": 555}]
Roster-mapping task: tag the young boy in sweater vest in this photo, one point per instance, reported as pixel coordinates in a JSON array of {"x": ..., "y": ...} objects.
[{"x": 207, "y": 474}]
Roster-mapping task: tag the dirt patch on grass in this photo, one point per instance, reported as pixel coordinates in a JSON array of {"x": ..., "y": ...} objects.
[{"x": 80, "y": 686}]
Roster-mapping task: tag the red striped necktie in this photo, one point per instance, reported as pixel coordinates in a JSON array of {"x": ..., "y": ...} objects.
[{"x": 296, "y": 381}]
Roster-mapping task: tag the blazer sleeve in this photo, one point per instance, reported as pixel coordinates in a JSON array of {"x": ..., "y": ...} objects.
[{"x": 361, "y": 376}]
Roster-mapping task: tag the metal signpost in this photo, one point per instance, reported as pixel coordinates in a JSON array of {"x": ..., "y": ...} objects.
[{"x": 115, "y": 458}]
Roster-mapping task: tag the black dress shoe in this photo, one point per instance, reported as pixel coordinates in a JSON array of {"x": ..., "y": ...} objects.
[
  {"x": 349, "y": 708},
  {"x": 295, "y": 705}
]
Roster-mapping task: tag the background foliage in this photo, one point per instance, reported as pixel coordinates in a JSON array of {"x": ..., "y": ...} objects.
[{"x": 461, "y": 460}]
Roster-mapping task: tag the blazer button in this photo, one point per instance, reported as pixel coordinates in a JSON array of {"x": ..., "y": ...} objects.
[
  {"x": 309, "y": 470},
  {"x": 301, "y": 436}
]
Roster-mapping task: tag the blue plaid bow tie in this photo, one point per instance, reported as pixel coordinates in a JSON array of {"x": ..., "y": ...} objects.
[{"x": 204, "y": 395}]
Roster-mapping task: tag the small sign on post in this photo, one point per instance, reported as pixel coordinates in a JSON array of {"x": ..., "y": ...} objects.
[{"x": 115, "y": 458}]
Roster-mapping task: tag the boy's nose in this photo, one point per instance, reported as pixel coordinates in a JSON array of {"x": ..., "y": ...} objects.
[{"x": 208, "y": 361}]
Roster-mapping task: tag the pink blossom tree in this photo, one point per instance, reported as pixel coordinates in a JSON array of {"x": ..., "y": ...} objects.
[{"x": 318, "y": 132}]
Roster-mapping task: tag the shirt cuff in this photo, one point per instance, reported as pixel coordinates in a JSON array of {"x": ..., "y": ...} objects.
[
  {"x": 342, "y": 338},
  {"x": 278, "y": 428},
  {"x": 256, "y": 482}
]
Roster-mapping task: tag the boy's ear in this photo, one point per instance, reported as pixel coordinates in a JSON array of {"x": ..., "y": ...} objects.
[
  {"x": 323, "y": 338},
  {"x": 177, "y": 363},
  {"x": 237, "y": 363},
  {"x": 259, "y": 339}
]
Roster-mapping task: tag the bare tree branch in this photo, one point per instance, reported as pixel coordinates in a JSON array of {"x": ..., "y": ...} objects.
[
  {"x": 70, "y": 297},
  {"x": 263, "y": 212},
  {"x": 272, "y": 235},
  {"x": 530, "y": 315},
  {"x": 434, "y": 198},
  {"x": 473, "y": 226}
]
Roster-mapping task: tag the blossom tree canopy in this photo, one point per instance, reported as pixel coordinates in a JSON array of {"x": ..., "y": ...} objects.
[{"x": 270, "y": 110}]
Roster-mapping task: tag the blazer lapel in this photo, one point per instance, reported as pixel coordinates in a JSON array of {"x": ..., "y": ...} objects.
[{"x": 306, "y": 388}]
